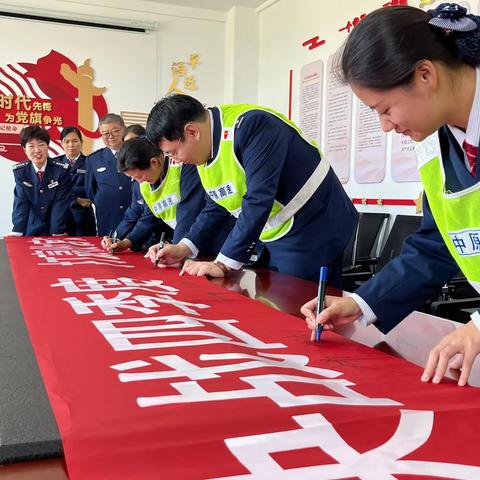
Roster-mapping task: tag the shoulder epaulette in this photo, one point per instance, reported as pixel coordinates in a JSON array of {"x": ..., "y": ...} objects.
[
  {"x": 21, "y": 165},
  {"x": 60, "y": 164}
]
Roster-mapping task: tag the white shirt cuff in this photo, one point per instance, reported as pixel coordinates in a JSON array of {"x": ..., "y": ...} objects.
[
  {"x": 368, "y": 316},
  {"x": 475, "y": 316},
  {"x": 191, "y": 246},
  {"x": 15, "y": 234},
  {"x": 229, "y": 262}
]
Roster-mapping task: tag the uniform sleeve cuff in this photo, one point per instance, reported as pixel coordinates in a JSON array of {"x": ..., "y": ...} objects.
[
  {"x": 368, "y": 316},
  {"x": 229, "y": 262},
  {"x": 475, "y": 316},
  {"x": 191, "y": 246}
]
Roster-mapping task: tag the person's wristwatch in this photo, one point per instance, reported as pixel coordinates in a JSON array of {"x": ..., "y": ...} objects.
[{"x": 222, "y": 267}]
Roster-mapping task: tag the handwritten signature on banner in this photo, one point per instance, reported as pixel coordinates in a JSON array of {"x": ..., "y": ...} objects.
[{"x": 122, "y": 295}]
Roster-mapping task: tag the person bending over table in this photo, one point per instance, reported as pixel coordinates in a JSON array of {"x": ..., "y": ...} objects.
[
  {"x": 420, "y": 72},
  {"x": 256, "y": 165}
]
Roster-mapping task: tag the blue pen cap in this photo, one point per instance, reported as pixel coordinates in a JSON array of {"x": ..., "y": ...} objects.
[{"x": 323, "y": 274}]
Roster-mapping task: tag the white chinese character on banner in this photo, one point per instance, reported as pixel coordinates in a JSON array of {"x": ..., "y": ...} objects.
[
  {"x": 167, "y": 329},
  {"x": 56, "y": 242},
  {"x": 383, "y": 462},
  {"x": 89, "y": 284},
  {"x": 269, "y": 386},
  {"x": 127, "y": 301},
  {"x": 180, "y": 367},
  {"x": 53, "y": 261}
]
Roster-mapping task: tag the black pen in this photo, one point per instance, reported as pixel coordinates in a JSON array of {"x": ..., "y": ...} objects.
[
  {"x": 161, "y": 244},
  {"x": 322, "y": 286}
]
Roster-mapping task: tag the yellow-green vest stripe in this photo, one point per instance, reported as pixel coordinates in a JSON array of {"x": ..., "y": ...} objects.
[
  {"x": 225, "y": 182},
  {"x": 164, "y": 199},
  {"x": 456, "y": 214}
]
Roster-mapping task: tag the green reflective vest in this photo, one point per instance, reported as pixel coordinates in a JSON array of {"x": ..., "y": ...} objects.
[
  {"x": 163, "y": 200},
  {"x": 225, "y": 182},
  {"x": 457, "y": 215}
]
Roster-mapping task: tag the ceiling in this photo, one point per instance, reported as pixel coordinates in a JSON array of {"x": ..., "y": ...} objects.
[{"x": 222, "y": 5}]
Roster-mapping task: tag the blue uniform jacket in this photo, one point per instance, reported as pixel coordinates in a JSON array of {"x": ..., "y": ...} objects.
[
  {"x": 192, "y": 202},
  {"x": 81, "y": 221},
  {"x": 277, "y": 163},
  {"x": 139, "y": 224},
  {"x": 425, "y": 264},
  {"x": 109, "y": 189},
  {"x": 41, "y": 209}
]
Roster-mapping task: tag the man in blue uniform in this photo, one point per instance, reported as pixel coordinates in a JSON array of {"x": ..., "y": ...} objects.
[
  {"x": 256, "y": 165},
  {"x": 42, "y": 188},
  {"x": 81, "y": 221},
  {"x": 109, "y": 189}
]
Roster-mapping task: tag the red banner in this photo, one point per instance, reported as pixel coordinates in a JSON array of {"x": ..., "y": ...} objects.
[{"x": 156, "y": 376}]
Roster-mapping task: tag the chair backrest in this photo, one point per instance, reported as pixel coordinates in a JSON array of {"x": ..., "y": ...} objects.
[
  {"x": 349, "y": 252},
  {"x": 403, "y": 226},
  {"x": 371, "y": 227}
]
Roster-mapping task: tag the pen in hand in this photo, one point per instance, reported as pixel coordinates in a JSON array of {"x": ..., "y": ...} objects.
[
  {"x": 322, "y": 286},
  {"x": 161, "y": 244},
  {"x": 114, "y": 238}
]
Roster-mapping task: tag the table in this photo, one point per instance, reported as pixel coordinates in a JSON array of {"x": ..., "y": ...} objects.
[{"x": 411, "y": 340}]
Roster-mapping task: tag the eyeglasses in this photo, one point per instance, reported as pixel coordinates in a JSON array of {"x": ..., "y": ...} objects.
[
  {"x": 174, "y": 152},
  {"x": 111, "y": 133}
]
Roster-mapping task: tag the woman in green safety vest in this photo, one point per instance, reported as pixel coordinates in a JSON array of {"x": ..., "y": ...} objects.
[
  {"x": 171, "y": 190},
  {"x": 420, "y": 71}
]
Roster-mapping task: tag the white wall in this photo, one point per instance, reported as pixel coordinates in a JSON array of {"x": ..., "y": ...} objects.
[{"x": 241, "y": 56}]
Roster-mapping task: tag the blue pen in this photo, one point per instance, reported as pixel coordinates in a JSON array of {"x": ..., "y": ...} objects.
[{"x": 322, "y": 286}]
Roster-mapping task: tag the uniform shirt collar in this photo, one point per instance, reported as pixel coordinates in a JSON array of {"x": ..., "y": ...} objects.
[
  {"x": 215, "y": 131},
  {"x": 72, "y": 160},
  {"x": 472, "y": 134},
  {"x": 40, "y": 169}
]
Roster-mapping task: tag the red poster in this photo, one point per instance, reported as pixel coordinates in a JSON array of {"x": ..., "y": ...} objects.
[
  {"x": 156, "y": 376},
  {"x": 53, "y": 93}
]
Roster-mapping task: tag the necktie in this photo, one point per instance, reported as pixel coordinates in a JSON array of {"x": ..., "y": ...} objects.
[
  {"x": 40, "y": 176},
  {"x": 471, "y": 152}
]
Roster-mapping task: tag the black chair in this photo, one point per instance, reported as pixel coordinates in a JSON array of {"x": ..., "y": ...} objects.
[
  {"x": 368, "y": 236},
  {"x": 403, "y": 226},
  {"x": 456, "y": 301},
  {"x": 458, "y": 310}
]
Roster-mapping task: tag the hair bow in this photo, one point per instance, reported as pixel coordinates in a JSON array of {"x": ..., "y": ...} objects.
[{"x": 451, "y": 17}]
